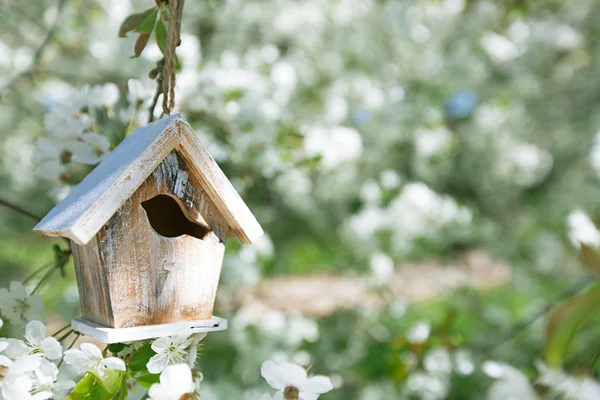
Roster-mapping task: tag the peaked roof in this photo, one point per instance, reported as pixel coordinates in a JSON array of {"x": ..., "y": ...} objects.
[{"x": 94, "y": 201}]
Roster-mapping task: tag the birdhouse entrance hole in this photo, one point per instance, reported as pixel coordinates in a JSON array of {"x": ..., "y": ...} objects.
[{"x": 168, "y": 219}]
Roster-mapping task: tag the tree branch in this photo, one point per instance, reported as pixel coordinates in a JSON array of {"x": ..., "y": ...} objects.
[
  {"x": 39, "y": 53},
  {"x": 527, "y": 322},
  {"x": 160, "y": 65},
  {"x": 19, "y": 209}
]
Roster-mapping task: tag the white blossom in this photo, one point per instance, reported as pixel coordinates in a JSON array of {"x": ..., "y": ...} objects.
[
  {"x": 17, "y": 306},
  {"x": 36, "y": 343},
  {"x": 175, "y": 382},
  {"x": 89, "y": 358},
  {"x": 169, "y": 350},
  {"x": 287, "y": 376},
  {"x": 418, "y": 333},
  {"x": 46, "y": 380},
  {"x": 510, "y": 382}
]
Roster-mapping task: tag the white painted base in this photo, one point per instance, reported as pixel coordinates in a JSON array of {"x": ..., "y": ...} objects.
[{"x": 119, "y": 335}]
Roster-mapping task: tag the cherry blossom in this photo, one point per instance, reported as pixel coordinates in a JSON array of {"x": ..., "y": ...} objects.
[
  {"x": 37, "y": 343},
  {"x": 176, "y": 383},
  {"x": 88, "y": 358},
  {"x": 17, "y": 306},
  {"x": 169, "y": 350},
  {"x": 287, "y": 377}
]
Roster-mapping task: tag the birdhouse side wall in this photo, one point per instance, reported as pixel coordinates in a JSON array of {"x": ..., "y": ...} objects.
[
  {"x": 92, "y": 283},
  {"x": 154, "y": 279}
]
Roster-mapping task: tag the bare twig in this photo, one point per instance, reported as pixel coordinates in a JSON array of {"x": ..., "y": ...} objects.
[
  {"x": 157, "y": 94},
  {"x": 525, "y": 323},
  {"x": 19, "y": 209},
  {"x": 37, "y": 56}
]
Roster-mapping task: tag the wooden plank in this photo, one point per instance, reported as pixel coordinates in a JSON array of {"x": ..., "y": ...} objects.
[
  {"x": 91, "y": 203},
  {"x": 229, "y": 203},
  {"x": 119, "y": 335},
  {"x": 92, "y": 283},
  {"x": 145, "y": 287}
]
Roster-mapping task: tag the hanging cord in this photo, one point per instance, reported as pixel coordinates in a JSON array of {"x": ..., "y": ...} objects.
[{"x": 170, "y": 67}]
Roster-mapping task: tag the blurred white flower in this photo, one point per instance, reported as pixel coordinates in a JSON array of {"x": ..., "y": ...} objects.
[
  {"x": 595, "y": 154},
  {"x": 370, "y": 192},
  {"x": 427, "y": 386},
  {"x": 430, "y": 142},
  {"x": 169, "y": 350},
  {"x": 524, "y": 163},
  {"x": 89, "y": 358},
  {"x": 36, "y": 343},
  {"x": 300, "y": 329},
  {"x": 336, "y": 145},
  {"x": 175, "y": 383},
  {"x": 287, "y": 377},
  {"x": 389, "y": 179},
  {"x": 498, "y": 47},
  {"x": 464, "y": 362},
  {"x": 418, "y": 333},
  {"x": 91, "y": 150},
  {"x": 438, "y": 362},
  {"x": 581, "y": 229},
  {"x": 382, "y": 267},
  {"x": 17, "y": 306},
  {"x": 572, "y": 387},
  {"x": 511, "y": 383}
]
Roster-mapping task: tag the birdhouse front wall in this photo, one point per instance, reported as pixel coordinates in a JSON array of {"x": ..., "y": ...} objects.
[{"x": 159, "y": 257}]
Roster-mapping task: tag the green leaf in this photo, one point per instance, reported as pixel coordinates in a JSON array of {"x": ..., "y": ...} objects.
[
  {"x": 110, "y": 380},
  {"x": 140, "y": 358},
  {"x": 161, "y": 35},
  {"x": 147, "y": 25},
  {"x": 116, "y": 347},
  {"x": 89, "y": 388},
  {"x": 132, "y": 22},
  {"x": 140, "y": 44},
  {"x": 147, "y": 379},
  {"x": 567, "y": 320},
  {"x": 124, "y": 391},
  {"x": 590, "y": 258}
]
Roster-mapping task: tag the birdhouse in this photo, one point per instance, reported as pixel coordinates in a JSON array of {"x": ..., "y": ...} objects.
[{"x": 148, "y": 228}]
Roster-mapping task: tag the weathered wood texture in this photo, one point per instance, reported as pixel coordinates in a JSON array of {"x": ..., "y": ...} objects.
[
  {"x": 129, "y": 275},
  {"x": 154, "y": 279},
  {"x": 96, "y": 199},
  {"x": 93, "y": 287}
]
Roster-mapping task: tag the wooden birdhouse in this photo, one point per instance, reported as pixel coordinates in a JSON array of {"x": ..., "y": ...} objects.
[{"x": 148, "y": 228}]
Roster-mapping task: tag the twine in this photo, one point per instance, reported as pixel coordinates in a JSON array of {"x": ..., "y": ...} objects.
[{"x": 170, "y": 67}]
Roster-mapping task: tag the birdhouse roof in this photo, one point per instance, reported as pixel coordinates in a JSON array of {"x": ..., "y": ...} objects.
[{"x": 90, "y": 205}]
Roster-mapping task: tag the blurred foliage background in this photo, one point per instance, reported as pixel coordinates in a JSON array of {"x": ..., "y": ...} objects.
[{"x": 425, "y": 172}]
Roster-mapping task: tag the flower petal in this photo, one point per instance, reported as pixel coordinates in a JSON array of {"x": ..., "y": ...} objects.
[
  {"x": 292, "y": 374},
  {"x": 35, "y": 332},
  {"x": 91, "y": 350},
  {"x": 5, "y": 361},
  {"x": 178, "y": 376},
  {"x": 317, "y": 384},
  {"x": 270, "y": 371},
  {"x": 158, "y": 363},
  {"x": 15, "y": 348},
  {"x": 18, "y": 291},
  {"x": 77, "y": 359},
  {"x": 114, "y": 363},
  {"x": 161, "y": 344},
  {"x": 51, "y": 348}
]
